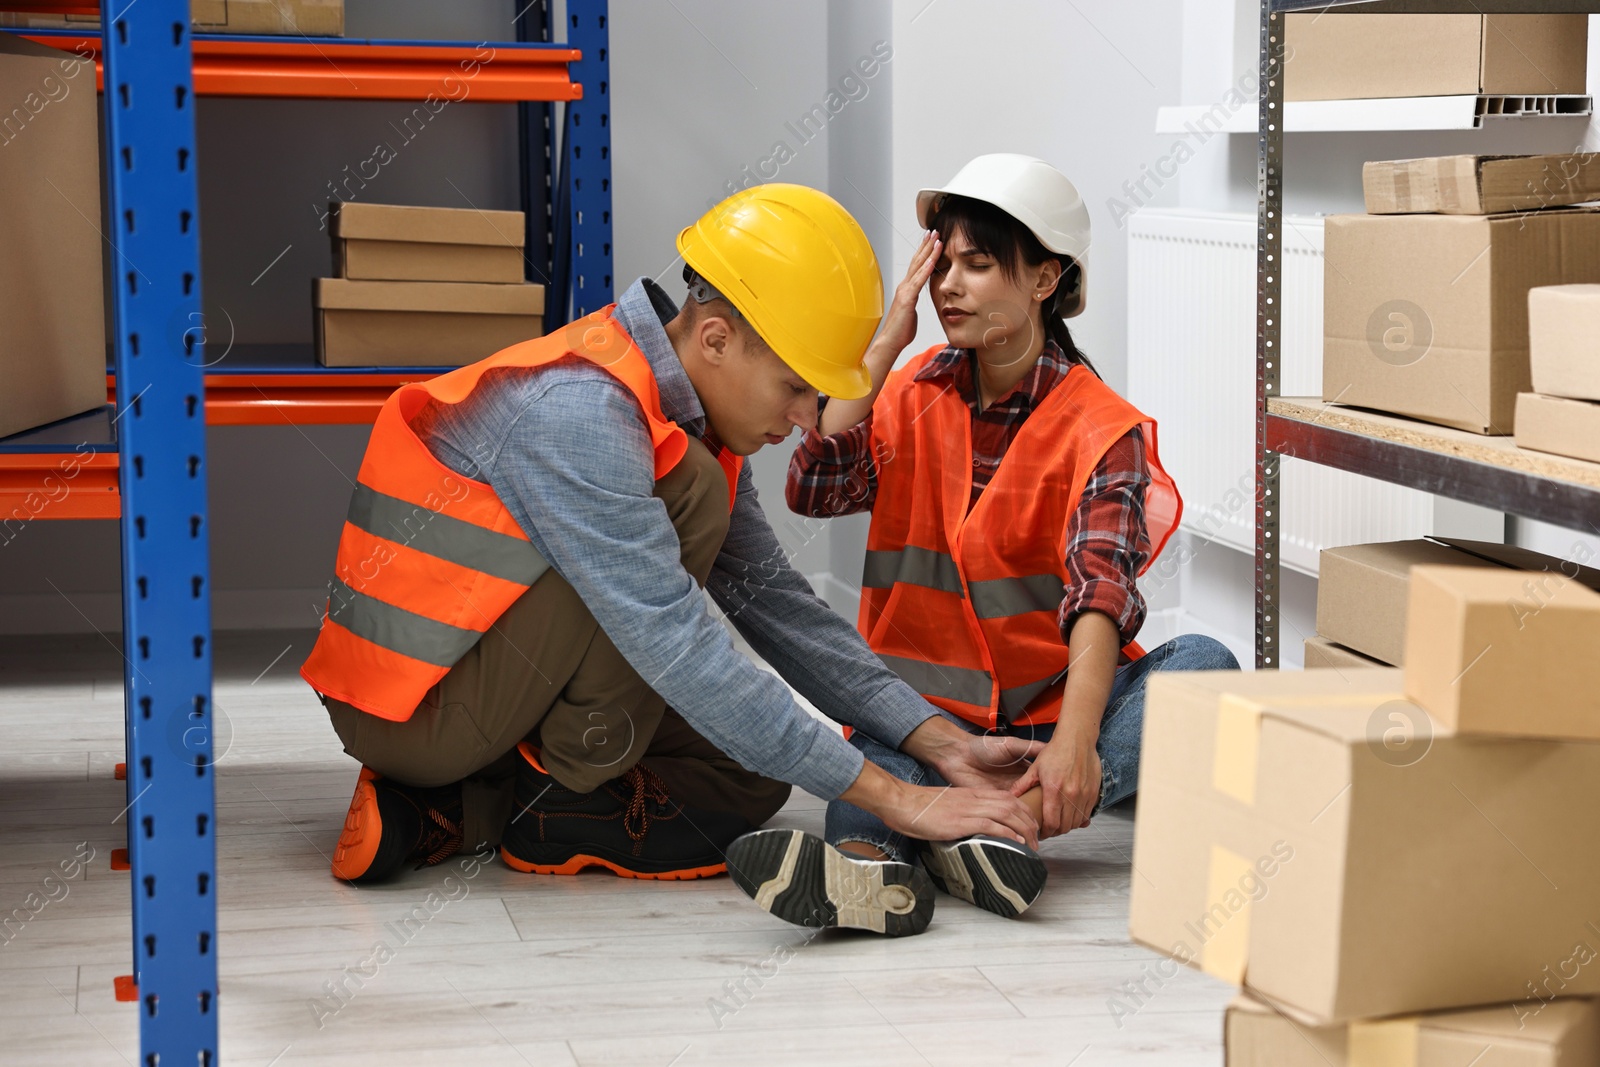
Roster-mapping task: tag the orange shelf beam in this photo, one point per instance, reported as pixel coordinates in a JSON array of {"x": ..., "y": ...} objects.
[
  {"x": 272, "y": 399},
  {"x": 298, "y": 399},
  {"x": 78, "y": 484},
  {"x": 57, "y": 485},
  {"x": 329, "y": 69}
]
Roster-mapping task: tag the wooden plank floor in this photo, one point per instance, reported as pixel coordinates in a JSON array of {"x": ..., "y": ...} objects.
[{"x": 511, "y": 969}]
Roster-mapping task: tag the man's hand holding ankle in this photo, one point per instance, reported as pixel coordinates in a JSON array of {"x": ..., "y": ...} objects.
[
  {"x": 941, "y": 813},
  {"x": 978, "y": 760}
]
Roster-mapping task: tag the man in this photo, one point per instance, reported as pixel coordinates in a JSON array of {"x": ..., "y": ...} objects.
[{"x": 517, "y": 648}]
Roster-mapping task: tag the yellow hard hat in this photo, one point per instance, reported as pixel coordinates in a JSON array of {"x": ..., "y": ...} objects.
[{"x": 794, "y": 263}]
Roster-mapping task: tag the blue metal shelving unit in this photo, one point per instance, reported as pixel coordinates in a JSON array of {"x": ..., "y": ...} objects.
[
  {"x": 583, "y": 211},
  {"x": 160, "y": 370},
  {"x": 166, "y": 613}
]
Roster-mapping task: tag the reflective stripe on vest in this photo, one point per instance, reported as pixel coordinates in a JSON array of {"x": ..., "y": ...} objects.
[
  {"x": 397, "y": 629},
  {"x": 1000, "y": 598},
  {"x": 915, "y": 566},
  {"x": 462, "y": 543},
  {"x": 966, "y": 686},
  {"x": 993, "y": 599},
  {"x": 428, "y": 558},
  {"x": 942, "y": 680},
  {"x": 1014, "y": 701},
  {"x": 963, "y": 603}
]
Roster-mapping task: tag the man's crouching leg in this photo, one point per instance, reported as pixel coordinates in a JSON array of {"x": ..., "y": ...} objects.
[
  {"x": 545, "y": 674},
  {"x": 613, "y": 778}
]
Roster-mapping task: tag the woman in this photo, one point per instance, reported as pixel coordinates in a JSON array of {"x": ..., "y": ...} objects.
[{"x": 1015, "y": 498}]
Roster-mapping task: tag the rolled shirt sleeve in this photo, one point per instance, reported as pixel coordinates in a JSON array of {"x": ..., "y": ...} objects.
[
  {"x": 1107, "y": 542},
  {"x": 833, "y": 475}
]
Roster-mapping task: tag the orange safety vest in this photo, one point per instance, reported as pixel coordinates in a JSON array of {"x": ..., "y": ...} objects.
[
  {"x": 428, "y": 558},
  {"x": 963, "y": 605}
]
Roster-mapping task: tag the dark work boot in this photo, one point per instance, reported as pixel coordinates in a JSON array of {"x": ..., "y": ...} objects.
[
  {"x": 390, "y": 825},
  {"x": 630, "y": 826}
]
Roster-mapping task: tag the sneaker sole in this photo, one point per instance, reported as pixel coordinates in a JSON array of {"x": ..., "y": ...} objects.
[
  {"x": 803, "y": 880},
  {"x": 363, "y": 830},
  {"x": 573, "y": 862},
  {"x": 995, "y": 875}
]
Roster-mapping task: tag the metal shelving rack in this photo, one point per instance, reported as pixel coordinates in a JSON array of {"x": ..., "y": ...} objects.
[
  {"x": 1432, "y": 462},
  {"x": 568, "y": 213},
  {"x": 143, "y": 459}
]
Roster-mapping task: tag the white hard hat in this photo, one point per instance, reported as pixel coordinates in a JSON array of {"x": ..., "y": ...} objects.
[{"x": 1035, "y": 194}]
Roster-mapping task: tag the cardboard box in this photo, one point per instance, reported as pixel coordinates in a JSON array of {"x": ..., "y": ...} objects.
[
  {"x": 1479, "y": 185},
  {"x": 421, "y": 324},
  {"x": 311, "y": 18},
  {"x": 1362, "y": 592},
  {"x": 1555, "y": 424},
  {"x": 52, "y": 289},
  {"x": 384, "y": 242},
  {"x": 1526, "y": 559},
  {"x": 1427, "y": 315},
  {"x": 1321, "y": 653},
  {"x": 1505, "y": 652},
  {"x": 1315, "y": 838},
  {"x": 1560, "y": 1033},
  {"x": 1354, "y": 56},
  {"x": 1564, "y": 340}
]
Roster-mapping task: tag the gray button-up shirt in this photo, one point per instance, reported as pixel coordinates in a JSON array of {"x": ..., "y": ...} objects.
[{"x": 567, "y": 450}]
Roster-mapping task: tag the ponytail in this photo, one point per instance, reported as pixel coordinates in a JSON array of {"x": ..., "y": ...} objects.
[{"x": 1055, "y": 326}]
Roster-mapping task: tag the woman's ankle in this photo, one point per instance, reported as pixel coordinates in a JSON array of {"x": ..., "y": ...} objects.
[{"x": 862, "y": 849}]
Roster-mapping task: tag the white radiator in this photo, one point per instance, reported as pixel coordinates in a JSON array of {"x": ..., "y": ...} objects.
[{"x": 1192, "y": 366}]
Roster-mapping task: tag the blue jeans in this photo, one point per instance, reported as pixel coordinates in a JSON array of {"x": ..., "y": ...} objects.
[{"x": 1118, "y": 747}]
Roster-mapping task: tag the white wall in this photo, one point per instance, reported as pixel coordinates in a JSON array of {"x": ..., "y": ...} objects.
[
  {"x": 713, "y": 95},
  {"x": 1075, "y": 84},
  {"x": 859, "y": 174}
]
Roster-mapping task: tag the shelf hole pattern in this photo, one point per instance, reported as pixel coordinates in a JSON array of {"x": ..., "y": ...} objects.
[{"x": 1269, "y": 178}]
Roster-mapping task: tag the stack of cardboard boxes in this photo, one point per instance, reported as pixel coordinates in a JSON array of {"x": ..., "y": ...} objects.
[
  {"x": 1396, "y": 867},
  {"x": 1562, "y": 415},
  {"x": 422, "y": 286},
  {"x": 1425, "y": 297}
]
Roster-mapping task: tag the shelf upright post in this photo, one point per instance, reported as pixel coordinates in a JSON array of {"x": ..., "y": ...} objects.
[
  {"x": 586, "y": 163},
  {"x": 166, "y": 618},
  {"x": 1269, "y": 308},
  {"x": 537, "y": 139}
]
